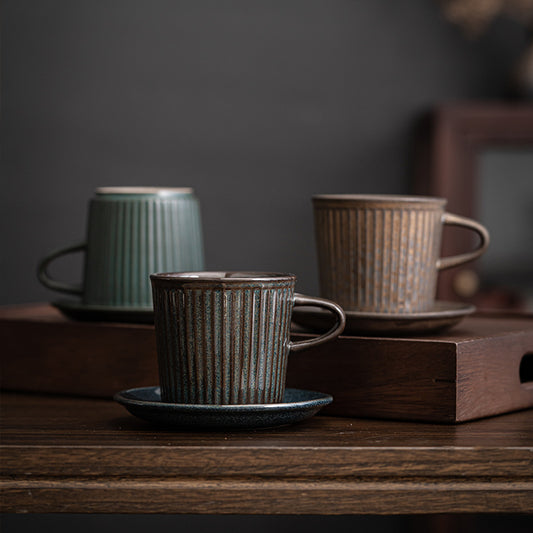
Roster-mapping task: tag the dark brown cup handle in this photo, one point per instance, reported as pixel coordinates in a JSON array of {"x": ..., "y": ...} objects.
[
  {"x": 47, "y": 281},
  {"x": 455, "y": 260},
  {"x": 334, "y": 332}
]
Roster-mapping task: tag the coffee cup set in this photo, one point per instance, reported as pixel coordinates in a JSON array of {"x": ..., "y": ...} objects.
[
  {"x": 223, "y": 338},
  {"x": 378, "y": 258}
]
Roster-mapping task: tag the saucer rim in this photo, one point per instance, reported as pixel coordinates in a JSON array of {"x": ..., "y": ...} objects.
[
  {"x": 247, "y": 417},
  {"x": 80, "y": 306},
  {"x": 391, "y": 325},
  {"x": 322, "y": 400},
  {"x": 456, "y": 309},
  {"x": 81, "y": 312}
]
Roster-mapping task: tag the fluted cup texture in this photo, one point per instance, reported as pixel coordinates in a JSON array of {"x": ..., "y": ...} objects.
[
  {"x": 133, "y": 236},
  {"x": 378, "y": 256},
  {"x": 222, "y": 341}
]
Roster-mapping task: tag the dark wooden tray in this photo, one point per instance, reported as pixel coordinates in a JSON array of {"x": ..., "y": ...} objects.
[
  {"x": 481, "y": 367},
  {"x": 43, "y": 351}
]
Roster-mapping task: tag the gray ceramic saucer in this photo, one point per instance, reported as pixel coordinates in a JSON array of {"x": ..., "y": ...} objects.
[
  {"x": 443, "y": 315},
  {"x": 298, "y": 405},
  {"x": 105, "y": 313}
]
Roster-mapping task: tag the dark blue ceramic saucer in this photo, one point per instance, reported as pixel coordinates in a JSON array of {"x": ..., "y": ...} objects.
[{"x": 297, "y": 405}]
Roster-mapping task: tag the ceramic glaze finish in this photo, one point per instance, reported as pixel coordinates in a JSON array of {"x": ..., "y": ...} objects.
[
  {"x": 131, "y": 233},
  {"x": 222, "y": 344},
  {"x": 160, "y": 191},
  {"x": 373, "y": 259},
  {"x": 297, "y": 405},
  {"x": 380, "y": 254},
  {"x": 382, "y": 201},
  {"x": 131, "y": 237},
  {"x": 223, "y": 337},
  {"x": 443, "y": 315}
]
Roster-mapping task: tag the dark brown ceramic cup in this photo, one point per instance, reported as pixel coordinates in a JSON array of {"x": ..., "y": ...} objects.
[
  {"x": 380, "y": 253},
  {"x": 224, "y": 337}
]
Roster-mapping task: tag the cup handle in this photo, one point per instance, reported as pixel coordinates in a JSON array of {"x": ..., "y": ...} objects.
[
  {"x": 47, "y": 281},
  {"x": 454, "y": 260},
  {"x": 335, "y": 331}
]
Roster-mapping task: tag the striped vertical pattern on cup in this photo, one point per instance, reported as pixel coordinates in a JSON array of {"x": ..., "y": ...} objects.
[
  {"x": 130, "y": 238},
  {"x": 379, "y": 259},
  {"x": 223, "y": 345}
]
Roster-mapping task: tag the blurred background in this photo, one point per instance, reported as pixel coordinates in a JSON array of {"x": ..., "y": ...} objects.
[{"x": 255, "y": 104}]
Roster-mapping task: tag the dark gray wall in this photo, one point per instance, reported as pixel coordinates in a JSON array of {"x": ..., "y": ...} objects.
[
  {"x": 256, "y": 104},
  {"x": 506, "y": 207}
]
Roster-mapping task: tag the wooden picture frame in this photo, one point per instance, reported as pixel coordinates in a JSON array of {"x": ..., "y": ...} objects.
[{"x": 449, "y": 142}]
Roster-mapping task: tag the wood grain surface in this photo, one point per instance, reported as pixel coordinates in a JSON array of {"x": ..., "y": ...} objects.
[
  {"x": 47, "y": 352},
  {"x": 467, "y": 372},
  {"x": 63, "y": 454}
]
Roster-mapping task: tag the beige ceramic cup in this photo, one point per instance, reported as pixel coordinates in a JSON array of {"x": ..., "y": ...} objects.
[{"x": 380, "y": 253}]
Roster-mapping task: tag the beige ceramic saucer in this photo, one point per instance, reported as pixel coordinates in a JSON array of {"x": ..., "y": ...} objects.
[{"x": 443, "y": 315}]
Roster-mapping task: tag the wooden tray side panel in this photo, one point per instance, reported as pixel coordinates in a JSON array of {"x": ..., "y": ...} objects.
[
  {"x": 468, "y": 372},
  {"x": 489, "y": 376},
  {"x": 396, "y": 379},
  {"x": 76, "y": 358}
]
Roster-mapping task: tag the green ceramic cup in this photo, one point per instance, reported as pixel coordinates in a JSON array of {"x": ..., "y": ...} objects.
[
  {"x": 223, "y": 338},
  {"x": 131, "y": 233}
]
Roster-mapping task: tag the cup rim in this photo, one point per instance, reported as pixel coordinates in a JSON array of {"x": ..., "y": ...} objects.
[
  {"x": 380, "y": 198},
  {"x": 222, "y": 276},
  {"x": 160, "y": 191}
]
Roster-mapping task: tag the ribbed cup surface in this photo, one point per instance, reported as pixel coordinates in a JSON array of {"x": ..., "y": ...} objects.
[
  {"x": 132, "y": 237},
  {"x": 379, "y": 259},
  {"x": 223, "y": 345}
]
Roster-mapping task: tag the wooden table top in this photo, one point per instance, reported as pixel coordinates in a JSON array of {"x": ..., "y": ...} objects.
[{"x": 65, "y": 454}]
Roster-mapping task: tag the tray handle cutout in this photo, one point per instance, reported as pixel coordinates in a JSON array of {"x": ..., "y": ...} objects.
[{"x": 526, "y": 370}]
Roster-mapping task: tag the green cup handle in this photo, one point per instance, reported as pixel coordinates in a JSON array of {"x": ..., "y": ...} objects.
[
  {"x": 455, "y": 260},
  {"x": 334, "y": 332},
  {"x": 47, "y": 281}
]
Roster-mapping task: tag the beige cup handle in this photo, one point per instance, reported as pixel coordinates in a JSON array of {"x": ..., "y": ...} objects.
[
  {"x": 335, "y": 331},
  {"x": 47, "y": 281},
  {"x": 454, "y": 260}
]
